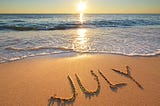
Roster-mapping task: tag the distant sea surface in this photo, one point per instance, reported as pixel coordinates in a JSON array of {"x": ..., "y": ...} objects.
[{"x": 29, "y": 35}]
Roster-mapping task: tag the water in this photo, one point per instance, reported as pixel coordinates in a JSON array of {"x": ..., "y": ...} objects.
[{"x": 24, "y": 36}]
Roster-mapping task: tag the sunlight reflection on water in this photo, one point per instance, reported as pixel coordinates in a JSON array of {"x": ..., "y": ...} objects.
[
  {"x": 81, "y": 18},
  {"x": 81, "y": 41}
]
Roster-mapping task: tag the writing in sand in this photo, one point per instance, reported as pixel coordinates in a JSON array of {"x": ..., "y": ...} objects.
[{"x": 87, "y": 92}]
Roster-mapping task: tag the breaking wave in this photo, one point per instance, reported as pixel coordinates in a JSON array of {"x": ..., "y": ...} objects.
[
  {"x": 71, "y": 25},
  {"x": 38, "y": 48}
]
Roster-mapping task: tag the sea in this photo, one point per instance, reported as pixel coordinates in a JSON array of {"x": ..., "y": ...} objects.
[{"x": 30, "y": 35}]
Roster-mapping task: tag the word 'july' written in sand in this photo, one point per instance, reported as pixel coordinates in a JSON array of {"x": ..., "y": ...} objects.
[{"x": 89, "y": 93}]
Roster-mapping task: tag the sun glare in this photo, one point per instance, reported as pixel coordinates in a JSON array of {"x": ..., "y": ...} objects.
[{"x": 81, "y": 6}]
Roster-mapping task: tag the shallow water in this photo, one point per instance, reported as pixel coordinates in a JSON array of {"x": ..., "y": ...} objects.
[{"x": 23, "y": 36}]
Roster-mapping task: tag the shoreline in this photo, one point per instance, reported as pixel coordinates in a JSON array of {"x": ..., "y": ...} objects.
[
  {"x": 74, "y": 54},
  {"x": 34, "y": 81}
]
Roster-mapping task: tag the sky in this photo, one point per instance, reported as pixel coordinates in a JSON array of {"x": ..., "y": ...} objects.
[{"x": 70, "y": 6}]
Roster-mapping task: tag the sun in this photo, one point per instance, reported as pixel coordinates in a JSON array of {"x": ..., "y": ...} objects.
[{"x": 81, "y": 6}]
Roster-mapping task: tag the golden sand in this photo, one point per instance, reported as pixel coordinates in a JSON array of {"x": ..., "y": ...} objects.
[{"x": 114, "y": 80}]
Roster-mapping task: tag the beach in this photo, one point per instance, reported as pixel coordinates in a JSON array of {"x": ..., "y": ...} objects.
[
  {"x": 33, "y": 81},
  {"x": 79, "y": 53},
  {"x": 62, "y": 60}
]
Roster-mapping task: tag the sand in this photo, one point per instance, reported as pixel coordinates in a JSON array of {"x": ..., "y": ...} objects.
[{"x": 33, "y": 81}]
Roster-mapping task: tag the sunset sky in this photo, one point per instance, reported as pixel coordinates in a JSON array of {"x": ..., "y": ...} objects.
[{"x": 70, "y": 6}]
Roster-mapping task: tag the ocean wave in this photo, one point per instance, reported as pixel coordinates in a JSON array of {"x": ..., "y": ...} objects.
[
  {"x": 72, "y": 25},
  {"x": 17, "y": 28},
  {"x": 124, "y": 54},
  {"x": 17, "y": 21},
  {"x": 73, "y": 53},
  {"x": 123, "y": 23},
  {"x": 37, "y": 28},
  {"x": 90, "y": 51},
  {"x": 38, "y": 48}
]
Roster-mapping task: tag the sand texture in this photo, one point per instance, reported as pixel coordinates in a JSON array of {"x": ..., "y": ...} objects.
[{"x": 84, "y": 80}]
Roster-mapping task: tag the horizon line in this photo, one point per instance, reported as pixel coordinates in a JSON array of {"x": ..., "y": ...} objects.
[{"x": 76, "y": 13}]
